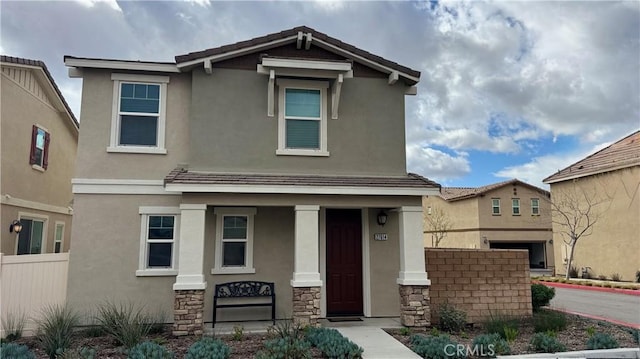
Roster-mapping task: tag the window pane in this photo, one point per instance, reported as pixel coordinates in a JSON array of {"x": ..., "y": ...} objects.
[
  {"x": 39, "y": 156},
  {"x": 140, "y": 98},
  {"x": 59, "y": 229},
  {"x": 302, "y": 103},
  {"x": 139, "y": 105},
  {"x": 40, "y": 139},
  {"x": 303, "y": 134},
  {"x": 138, "y": 130},
  {"x": 57, "y": 247},
  {"x": 25, "y": 237},
  {"x": 233, "y": 253},
  {"x": 36, "y": 237},
  {"x": 127, "y": 90},
  {"x": 234, "y": 227},
  {"x": 160, "y": 227},
  {"x": 160, "y": 255}
]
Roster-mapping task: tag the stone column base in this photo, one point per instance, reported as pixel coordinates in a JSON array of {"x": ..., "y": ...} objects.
[
  {"x": 188, "y": 309},
  {"x": 414, "y": 306},
  {"x": 306, "y": 305}
]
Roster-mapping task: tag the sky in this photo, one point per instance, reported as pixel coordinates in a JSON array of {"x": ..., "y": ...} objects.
[{"x": 509, "y": 89}]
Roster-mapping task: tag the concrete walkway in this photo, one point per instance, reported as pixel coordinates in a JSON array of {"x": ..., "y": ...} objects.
[{"x": 377, "y": 344}]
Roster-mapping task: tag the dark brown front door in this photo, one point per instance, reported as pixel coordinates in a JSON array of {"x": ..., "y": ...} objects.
[{"x": 344, "y": 262}]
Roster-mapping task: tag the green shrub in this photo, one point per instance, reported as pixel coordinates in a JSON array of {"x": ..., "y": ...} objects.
[
  {"x": 545, "y": 343},
  {"x": 79, "y": 353},
  {"x": 282, "y": 348},
  {"x": 13, "y": 325},
  {"x": 541, "y": 295},
  {"x": 405, "y": 331},
  {"x": 55, "y": 328},
  {"x": 591, "y": 330},
  {"x": 434, "y": 347},
  {"x": 238, "y": 333},
  {"x": 452, "y": 320},
  {"x": 332, "y": 344},
  {"x": 635, "y": 333},
  {"x": 499, "y": 324},
  {"x": 549, "y": 320},
  {"x": 149, "y": 350},
  {"x": 510, "y": 334},
  {"x": 208, "y": 348},
  {"x": 602, "y": 341},
  {"x": 486, "y": 344},
  {"x": 15, "y": 351},
  {"x": 125, "y": 323}
]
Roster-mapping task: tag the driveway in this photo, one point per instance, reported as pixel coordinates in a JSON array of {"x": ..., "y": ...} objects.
[{"x": 621, "y": 308}]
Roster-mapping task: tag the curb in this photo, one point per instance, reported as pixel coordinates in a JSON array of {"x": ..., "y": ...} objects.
[
  {"x": 590, "y": 316},
  {"x": 586, "y": 287}
]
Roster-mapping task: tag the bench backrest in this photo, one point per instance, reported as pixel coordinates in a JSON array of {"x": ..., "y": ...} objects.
[{"x": 246, "y": 289}]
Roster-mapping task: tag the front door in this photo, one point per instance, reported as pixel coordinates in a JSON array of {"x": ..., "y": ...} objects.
[{"x": 344, "y": 262}]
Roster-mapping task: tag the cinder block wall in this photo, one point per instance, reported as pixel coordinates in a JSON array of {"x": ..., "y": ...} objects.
[{"x": 482, "y": 282}]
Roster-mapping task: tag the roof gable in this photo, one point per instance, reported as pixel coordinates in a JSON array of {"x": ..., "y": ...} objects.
[
  {"x": 621, "y": 154},
  {"x": 451, "y": 194},
  {"x": 302, "y": 37}
]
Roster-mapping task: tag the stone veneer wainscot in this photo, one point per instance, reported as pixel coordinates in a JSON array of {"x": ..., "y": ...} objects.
[
  {"x": 188, "y": 312},
  {"x": 414, "y": 306},
  {"x": 306, "y": 305}
]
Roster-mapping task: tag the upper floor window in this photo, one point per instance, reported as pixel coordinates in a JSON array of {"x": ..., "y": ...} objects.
[
  {"x": 535, "y": 206},
  {"x": 302, "y": 120},
  {"x": 39, "y": 154},
  {"x": 138, "y": 123},
  {"x": 515, "y": 206},
  {"x": 158, "y": 241},
  {"x": 234, "y": 240},
  {"x": 495, "y": 206}
]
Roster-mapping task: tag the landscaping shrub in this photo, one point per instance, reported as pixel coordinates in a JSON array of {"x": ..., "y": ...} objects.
[
  {"x": 289, "y": 342},
  {"x": 15, "y": 351},
  {"x": 545, "y": 343},
  {"x": 487, "y": 344},
  {"x": 208, "y": 348},
  {"x": 149, "y": 350},
  {"x": 452, "y": 320},
  {"x": 510, "y": 334},
  {"x": 333, "y": 344},
  {"x": 55, "y": 328},
  {"x": 602, "y": 341},
  {"x": 616, "y": 277},
  {"x": 13, "y": 325},
  {"x": 549, "y": 320},
  {"x": 499, "y": 324},
  {"x": 126, "y": 324},
  {"x": 635, "y": 333},
  {"x": 79, "y": 353},
  {"x": 541, "y": 295},
  {"x": 602, "y": 277},
  {"x": 434, "y": 347}
]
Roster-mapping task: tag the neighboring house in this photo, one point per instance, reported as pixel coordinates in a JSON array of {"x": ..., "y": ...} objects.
[
  {"x": 507, "y": 215},
  {"x": 39, "y": 142},
  {"x": 610, "y": 176},
  {"x": 269, "y": 159}
]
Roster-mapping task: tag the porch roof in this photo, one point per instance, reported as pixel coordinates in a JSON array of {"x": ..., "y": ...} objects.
[{"x": 193, "y": 181}]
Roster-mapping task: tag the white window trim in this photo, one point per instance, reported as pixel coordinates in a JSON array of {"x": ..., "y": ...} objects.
[
  {"x": 117, "y": 79},
  {"x": 492, "y": 207},
  {"x": 145, "y": 212},
  {"x": 513, "y": 207},
  {"x": 55, "y": 231},
  {"x": 536, "y": 207},
  {"x": 37, "y": 217},
  {"x": 283, "y": 84},
  {"x": 220, "y": 213}
]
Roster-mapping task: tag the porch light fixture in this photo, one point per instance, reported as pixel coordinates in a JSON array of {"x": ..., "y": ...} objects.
[
  {"x": 382, "y": 218},
  {"x": 15, "y": 226}
]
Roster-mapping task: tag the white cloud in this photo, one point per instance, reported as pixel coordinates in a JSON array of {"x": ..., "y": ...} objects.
[
  {"x": 113, "y": 4},
  {"x": 436, "y": 165}
]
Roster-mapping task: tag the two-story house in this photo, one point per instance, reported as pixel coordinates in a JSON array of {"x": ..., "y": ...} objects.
[
  {"x": 280, "y": 159},
  {"x": 606, "y": 185},
  {"x": 506, "y": 215},
  {"x": 39, "y": 139}
]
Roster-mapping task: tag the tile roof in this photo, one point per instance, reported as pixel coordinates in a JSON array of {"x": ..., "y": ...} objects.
[
  {"x": 287, "y": 33},
  {"x": 459, "y": 193},
  {"x": 38, "y": 63},
  {"x": 621, "y": 154},
  {"x": 181, "y": 176}
]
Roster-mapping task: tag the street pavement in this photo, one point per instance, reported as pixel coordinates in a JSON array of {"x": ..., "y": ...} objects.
[{"x": 618, "y": 307}]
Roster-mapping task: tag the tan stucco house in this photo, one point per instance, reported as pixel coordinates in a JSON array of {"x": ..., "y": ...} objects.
[
  {"x": 610, "y": 178},
  {"x": 507, "y": 215},
  {"x": 270, "y": 159},
  {"x": 39, "y": 142}
]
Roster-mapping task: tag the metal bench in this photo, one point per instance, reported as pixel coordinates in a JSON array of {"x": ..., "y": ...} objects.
[{"x": 246, "y": 289}]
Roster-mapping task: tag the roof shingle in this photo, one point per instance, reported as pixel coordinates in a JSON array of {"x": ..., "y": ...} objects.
[{"x": 459, "y": 193}]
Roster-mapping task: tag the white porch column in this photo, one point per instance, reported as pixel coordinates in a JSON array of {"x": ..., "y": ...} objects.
[
  {"x": 306, "y": 271},
  {"x": 412, "y": 264},
  {"x": 191, "y": 248}
]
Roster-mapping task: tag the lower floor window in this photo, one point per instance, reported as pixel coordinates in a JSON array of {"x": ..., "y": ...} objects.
[
  {"x": 31, "y": 237},
  {"x": 234, "y": 239},
  {"x": 159, "y": 234},
  {"x": 57, "y": 243}
]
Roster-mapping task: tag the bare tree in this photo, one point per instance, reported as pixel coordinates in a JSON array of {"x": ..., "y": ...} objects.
[
  {"x": 439, "y": 224},
  {"x": 575, "y": 211}
]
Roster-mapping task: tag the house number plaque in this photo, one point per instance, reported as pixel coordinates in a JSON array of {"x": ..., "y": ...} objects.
[{"x": 380, "y": 236}]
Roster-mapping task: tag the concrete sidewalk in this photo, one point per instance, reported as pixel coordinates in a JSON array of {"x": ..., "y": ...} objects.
[{"x": 377, "y": 344}]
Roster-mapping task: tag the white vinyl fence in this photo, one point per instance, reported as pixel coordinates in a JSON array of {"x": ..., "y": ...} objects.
[{"x": 29, "y": 283}]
